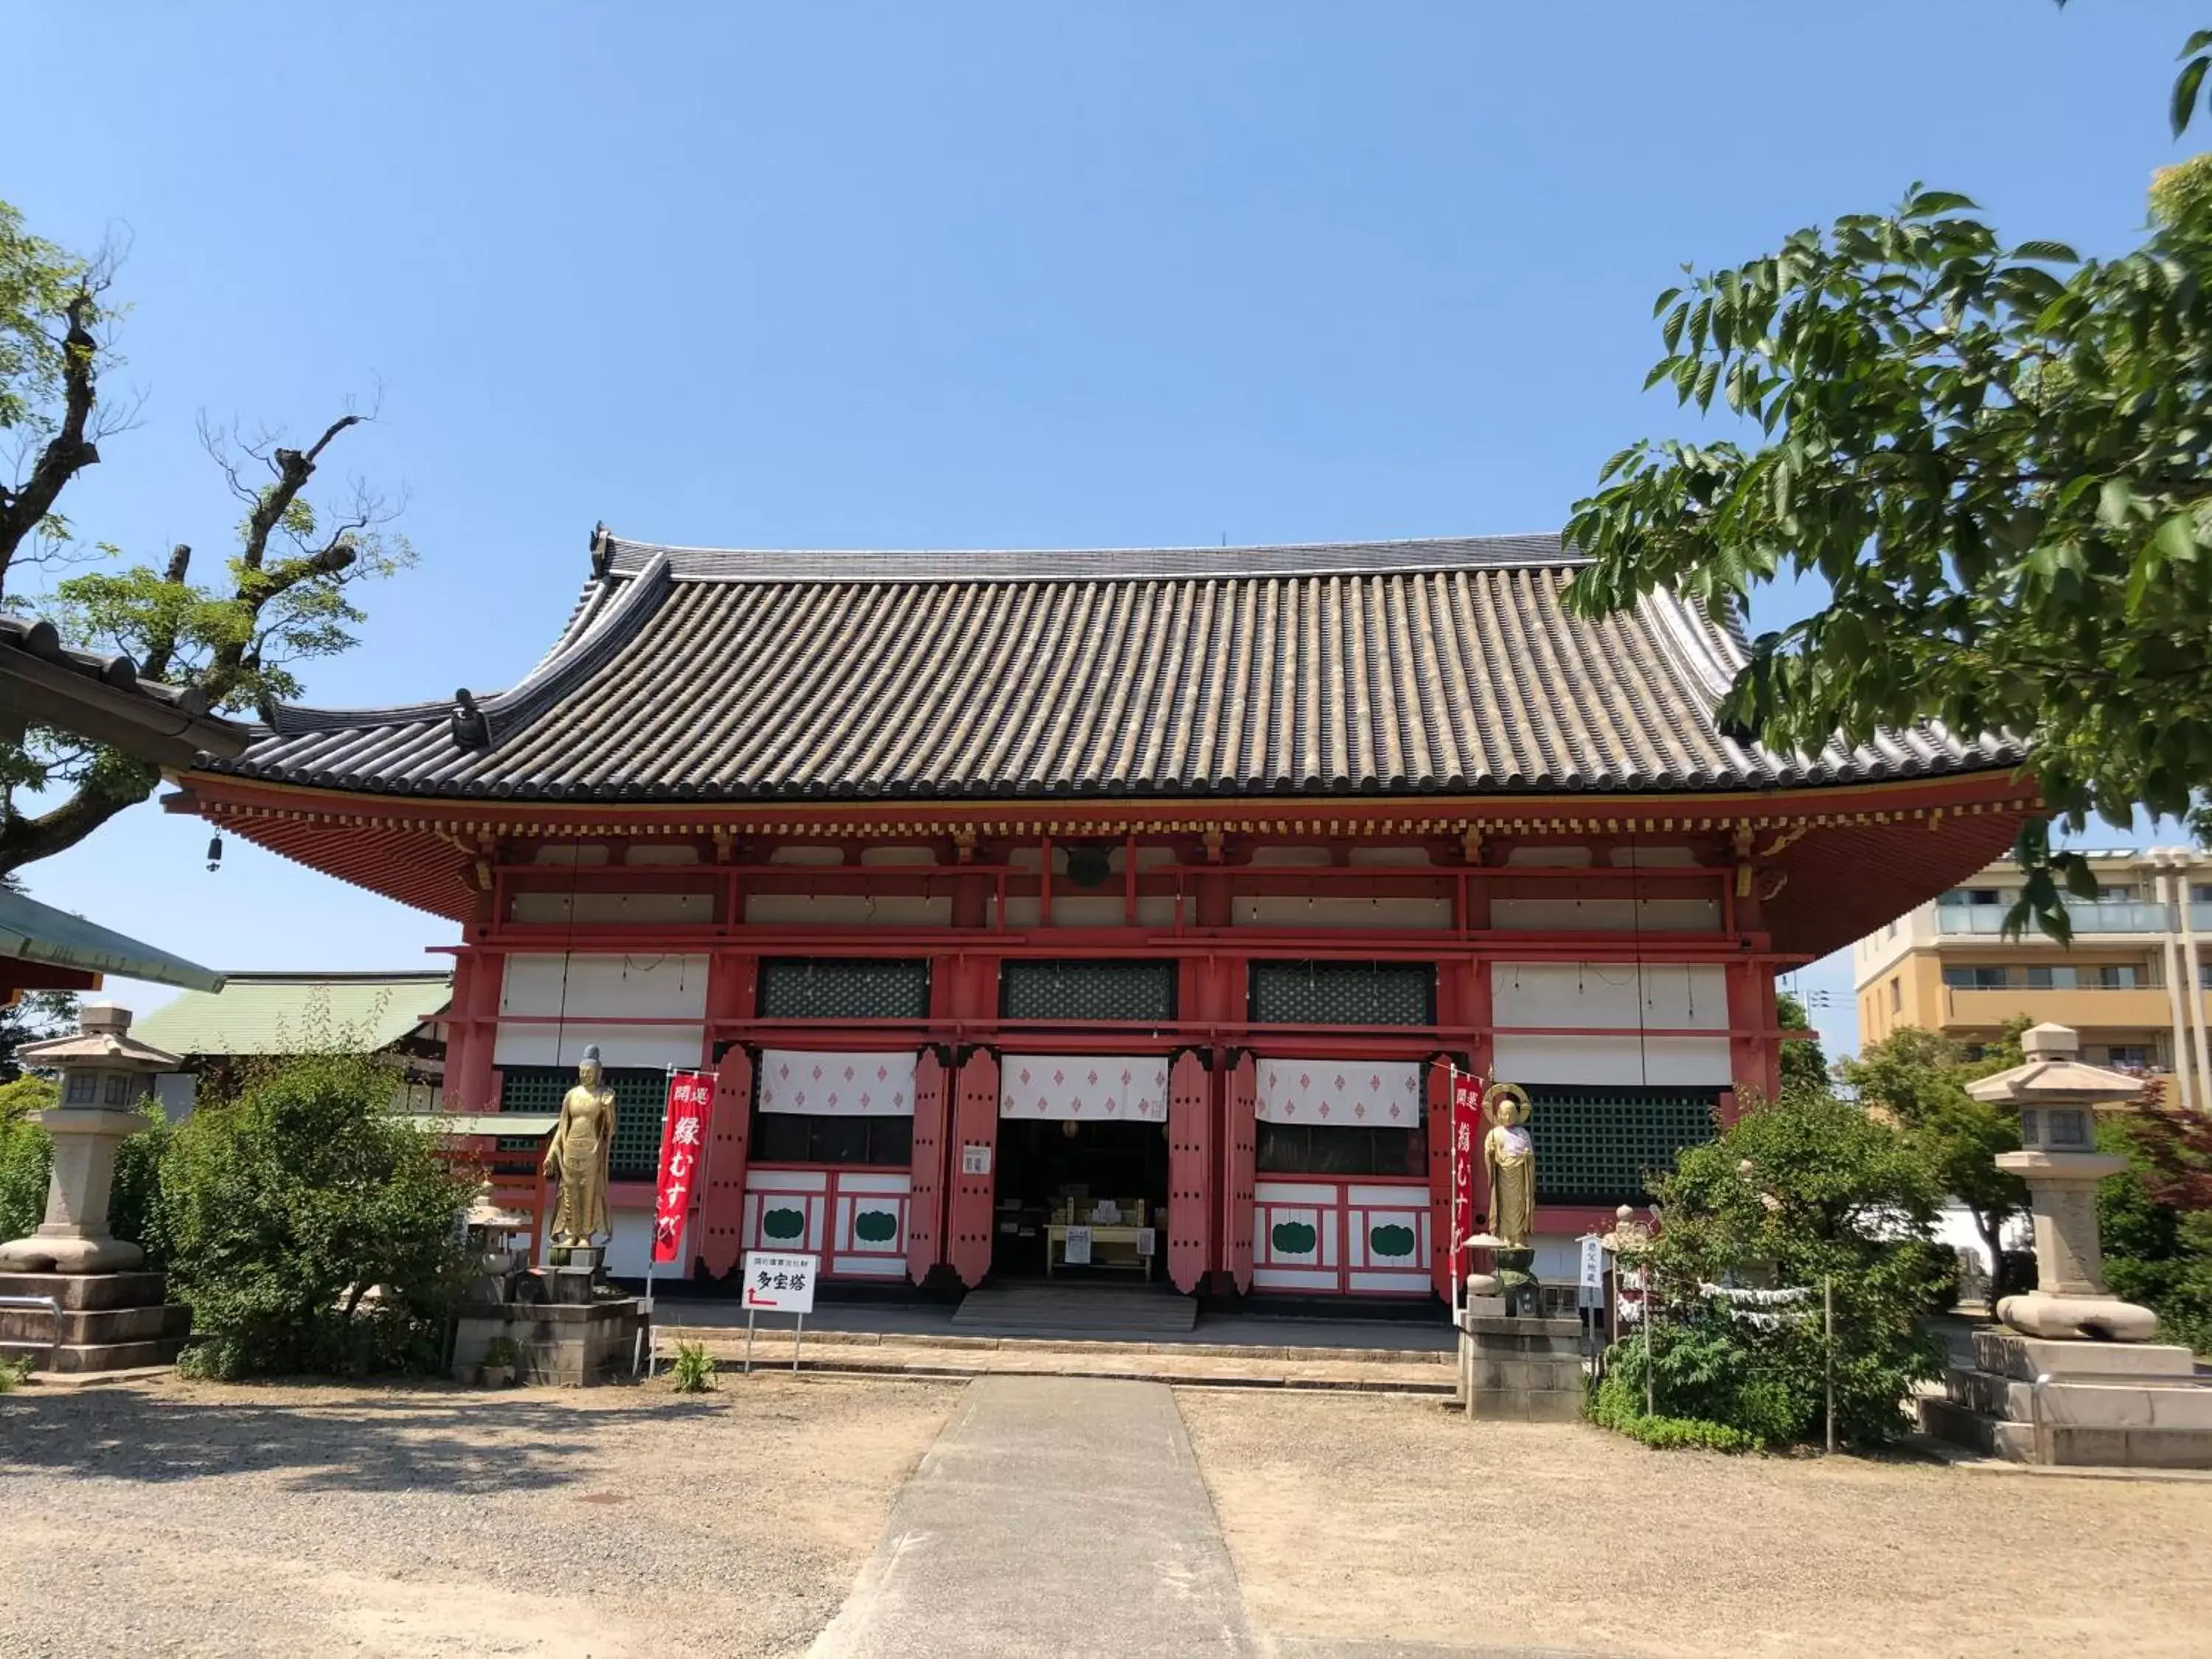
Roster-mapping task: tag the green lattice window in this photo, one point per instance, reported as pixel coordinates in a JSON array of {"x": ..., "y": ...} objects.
[
  {"x": 1343, "y": 992},
  {"x": 1087, "y": 990},
  {"x": 640, "y": 1098},
  {"x": 1600, "y": 1146},
  {"x": 843, "y": 987}
]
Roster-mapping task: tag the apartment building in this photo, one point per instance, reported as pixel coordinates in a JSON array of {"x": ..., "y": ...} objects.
[{"x": 2133, "y": 982}]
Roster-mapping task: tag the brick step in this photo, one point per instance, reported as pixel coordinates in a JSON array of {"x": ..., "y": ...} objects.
[
  {"x": 81, "y": 1356},
  {"x": 92, "y": 1326},
  {"x": 89, "y": 1290},
  {"x": 712, "y": 1335}
]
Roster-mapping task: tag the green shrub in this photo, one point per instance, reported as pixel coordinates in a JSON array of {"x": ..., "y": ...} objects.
[
  {"x": 1806, "y": 1190},
  {"x": 1619, "y": 1405},
  {"x": 2156, "y": 1220},
  {"x": 308, "y": 1231},
  {"x": 26, "y": 1159},
  {"x": 693, "y": 1370}
]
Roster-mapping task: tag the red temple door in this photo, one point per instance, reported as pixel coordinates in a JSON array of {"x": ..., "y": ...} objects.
[
  {"x": 925, "y": 1210},
  {"x": 975, "y": 1190},
  {"x": 1190, "y": 1199},
  {"x": 1240, "y": 1141},
  {"x": 722, "y": 1210},
  {"x": 1438, "y": 1103}
]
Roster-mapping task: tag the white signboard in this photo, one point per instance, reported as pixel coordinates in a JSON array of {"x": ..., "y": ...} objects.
[
  {"x": 780, "y": 1281},
  {"x": 1591, "y": 1286},
  {"x": 1078, "y": 1252},
  {"x": 976, "y": 1158},
  {"x": 1147, "y": 1241}
]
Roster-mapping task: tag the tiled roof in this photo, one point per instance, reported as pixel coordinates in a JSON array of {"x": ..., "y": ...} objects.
[
  {"x": 289, "y": 1013},
  {"x": 101, "y": 696},
  {"x": 1442, "y": 666}
]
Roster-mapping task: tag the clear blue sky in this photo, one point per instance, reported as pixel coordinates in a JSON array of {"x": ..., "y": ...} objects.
[{"x": 954, "y": 274}]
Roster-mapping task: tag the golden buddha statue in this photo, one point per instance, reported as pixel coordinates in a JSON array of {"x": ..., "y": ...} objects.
[
  {"x": 578, "y": 1156},
  {"x": 1509, "y": 1158}
]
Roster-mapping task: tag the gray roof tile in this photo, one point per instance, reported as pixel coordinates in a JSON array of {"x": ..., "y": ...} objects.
[{"x": 1441, "y": 666}]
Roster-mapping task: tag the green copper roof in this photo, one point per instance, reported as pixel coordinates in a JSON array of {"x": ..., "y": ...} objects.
[
  {"x": 284, "y": 1013},
  {"x": 39, "y": 932}
]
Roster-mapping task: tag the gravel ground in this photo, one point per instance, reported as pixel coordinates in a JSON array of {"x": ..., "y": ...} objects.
[
  {"x": 188, "y": 1518},
  {"x": 1361, "y": 1519}
]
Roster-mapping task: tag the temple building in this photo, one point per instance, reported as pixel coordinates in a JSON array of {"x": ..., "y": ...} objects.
[{"x": 1149, "y": 892}]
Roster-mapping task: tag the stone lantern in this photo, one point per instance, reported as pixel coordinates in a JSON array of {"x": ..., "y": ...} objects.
[
  {"x": 2057, "y": 1096},
  {"x": 106, "y": 1073}
]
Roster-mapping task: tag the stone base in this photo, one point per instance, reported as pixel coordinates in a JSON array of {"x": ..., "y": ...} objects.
[
  {"x": 568, "y": 1343},
  {"x": 2115, "y": 1404},
  {"x": 2099, "y": 1318},
  {"x": 1521, "y": 1371},
  {"x": 109, "y": 1322}
]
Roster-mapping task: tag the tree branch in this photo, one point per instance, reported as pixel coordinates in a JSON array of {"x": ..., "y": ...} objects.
[
  {"x": 25, "y": 841},
  {"x": 69, "y": 452}
]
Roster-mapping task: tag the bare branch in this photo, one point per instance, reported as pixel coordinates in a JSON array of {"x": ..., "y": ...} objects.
[{"x": 69, "y": 452}]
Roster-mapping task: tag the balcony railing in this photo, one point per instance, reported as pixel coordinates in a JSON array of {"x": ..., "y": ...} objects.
[{"x": 2105, "y": 917}]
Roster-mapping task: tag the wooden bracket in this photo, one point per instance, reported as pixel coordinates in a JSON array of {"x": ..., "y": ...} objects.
[
  {"x": 1470, "y": 843},
  {"x": 964, "y": 843},
  {"x": 1213, "y": 844}
]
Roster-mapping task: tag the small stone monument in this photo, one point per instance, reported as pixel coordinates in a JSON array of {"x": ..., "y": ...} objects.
[
  {"x": 1515, "y": 1365},
  {"x": 112, "y": 1317},
  {"x": 567, "y": 1325},
  {"x": 2071, "y": 1376}
]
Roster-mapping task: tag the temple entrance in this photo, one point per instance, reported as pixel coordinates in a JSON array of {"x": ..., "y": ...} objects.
[{"x": 1081, "y": 1201}]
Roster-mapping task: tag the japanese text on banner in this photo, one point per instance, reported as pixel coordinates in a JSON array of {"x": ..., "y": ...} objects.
[
  {"x": 1466, "y": 1140},
  {"x": 683, "y": 1141}
]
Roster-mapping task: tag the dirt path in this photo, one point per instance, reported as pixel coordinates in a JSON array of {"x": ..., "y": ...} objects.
[
  {"x": 1360, "y": 1519},
  {"x": 192, "y": 1519}
]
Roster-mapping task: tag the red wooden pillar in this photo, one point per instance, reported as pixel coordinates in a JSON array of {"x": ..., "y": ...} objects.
[
  {"x": 925, "y": 1210},
  {"x": 722, "y": 1209},
  {"x": 1240, "y": 1142},
  {"x": 1190, "y": 1157},
  {"x": 975, "y": 1125},
  {"x": 472, "y": 1085},
  {"x": 1754, "y": 1059}
]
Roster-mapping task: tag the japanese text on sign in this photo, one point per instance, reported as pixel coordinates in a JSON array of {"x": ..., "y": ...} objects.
[
  {"x": 683, "y": 1141},
  {"x": 1465, "y": 1135},
  {"x": 780, "y": 1282}
]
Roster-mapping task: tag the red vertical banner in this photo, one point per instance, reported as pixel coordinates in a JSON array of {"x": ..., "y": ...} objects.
[
  {"x": 1466, "y": 1154},
  {"x": 683, "y": 1141}
]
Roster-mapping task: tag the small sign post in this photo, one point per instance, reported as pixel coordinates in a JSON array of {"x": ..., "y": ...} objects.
[{"x": 778, "y": 1281}]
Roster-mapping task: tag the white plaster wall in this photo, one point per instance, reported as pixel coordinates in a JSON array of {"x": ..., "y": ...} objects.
[
  {"x": 600, "y": 987},
  {"x": 1611, "y": 996}
]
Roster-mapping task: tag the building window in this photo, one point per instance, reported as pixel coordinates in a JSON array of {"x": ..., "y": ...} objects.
[
  {"x": 1601, "y": 1145},
  {"x": 1971, "y": 979},
  {"x": 2119, "y": 976},
  {"x": 1328, "y": 1149},
  {"x": 2053, "y": 979},
  {"x": 1087, "y": 990},
  {"x": 1973, "y": 895},
  {"x": 2200, "y": 893},
  {"x": 2204, "y": 975},
  {"x": 1896, "y": 996},
  {"x": 843, "y": 987},
  {"x": 2107, "y": 894},
  {"x": 84, "y": 1088},
  {"x": 813, "y": 1138},
  {"x": 1343, "y": 992},
  {"x": 2127, "y": 1054},
  {"x": 641, "y": 1101}
]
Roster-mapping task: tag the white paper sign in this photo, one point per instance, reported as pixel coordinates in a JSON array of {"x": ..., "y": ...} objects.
[
  {"x": 974, "y": 1158},
  {"x": 1146, "y": 1241},
  {"x": 1105, "y": 1212},
  {"x": 1078, "y": 1251},
  {"x": 780, "y": 1282},
  {"x": 1590, "y": 1287}
]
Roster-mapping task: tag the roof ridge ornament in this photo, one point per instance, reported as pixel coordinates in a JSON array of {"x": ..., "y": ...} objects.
[
  {"x": 602, "y": 551},
  {"x": 470, "y": 726}
]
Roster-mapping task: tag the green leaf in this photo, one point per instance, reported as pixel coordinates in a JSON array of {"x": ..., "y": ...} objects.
[
  {"x": 2049, "y": 253},
  {"x": 2185, "y": 88}
]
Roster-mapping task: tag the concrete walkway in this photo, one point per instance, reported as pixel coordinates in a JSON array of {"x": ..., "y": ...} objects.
[{"x": 1053, "y": 1516}]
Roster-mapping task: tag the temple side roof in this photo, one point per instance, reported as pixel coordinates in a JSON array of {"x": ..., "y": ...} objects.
[{"x": 1446, "y": 667}]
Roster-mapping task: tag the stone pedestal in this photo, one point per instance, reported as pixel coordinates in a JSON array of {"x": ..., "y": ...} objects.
[
  {"x": 566, "y": 1335},
  {"x": 109, "y": 1321},
  {"x": 1521, "y": 1371},
  {"x": 2127, "y": 1404},
  {"x": 74, "y": 1239}
]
